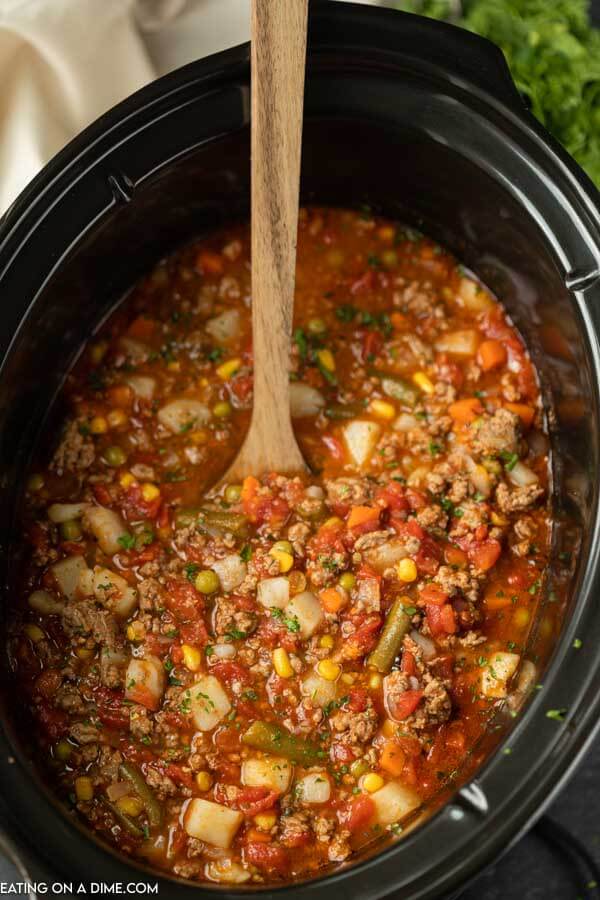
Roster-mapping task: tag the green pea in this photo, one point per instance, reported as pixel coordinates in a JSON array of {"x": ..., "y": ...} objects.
[
  {"x": 222, "y": 409},
  {"x": 115, "y": 456},
  {"x": 70, "y": 531},
  {"x": 63, "y": 750},
  {"x": 347, "y": 581},
  {"x": 316, "y": 326},
  {"x": 233, "y": 492},
  {"x": 207, "y": 581}
]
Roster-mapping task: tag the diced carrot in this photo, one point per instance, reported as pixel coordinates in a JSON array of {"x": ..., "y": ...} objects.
[
  {"x": 399, "y": 321},
  {"x": 523, "y": 411},
  {"x": 255, "y": 834},
  {"x": 392, "y": 758},
  {"x": 250, "y": 487},
  {"x": 120, "y": 395},
  {"x": 359, "y": 515},
  {"x": 465, "y": 411},
  {"x": 485, "y": 554},
  {"x": 142, "y": 328},
  {"x": 491, "y": 355},
  {"x": 497, "y": 599},
  {"x": 209, "y": 263},
  {"x": 332, "y": 600}
]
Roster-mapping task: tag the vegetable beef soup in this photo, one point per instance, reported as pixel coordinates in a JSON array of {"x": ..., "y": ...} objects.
[{"x": 249, "y": 684}]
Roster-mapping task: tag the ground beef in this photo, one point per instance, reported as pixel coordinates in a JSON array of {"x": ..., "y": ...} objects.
[
  {"x": 151, "y": 595},
  {"x": 323, "y": 828},
  {"x": 140, "y": 723},
  {"x": 347, "y": 491},
  {"x": 229, "y": 617},
  {"x": 84, "y": 733},
  {"x": 473, "y": 515},
  {"x": 498, "y": 433},
  {"x": 339, "y": 849},
  {"x": 75, "y": 453},
  {"x": 458, "y": 582},
  {"x": 355, "y": 728},
  {"x": 160, "y": 783},
  {"x": 517, "y": 499},
  {"x": 295, "y": 828},
  {"x": 432, "y": 517},
  {"x": 84, "y": 618}
]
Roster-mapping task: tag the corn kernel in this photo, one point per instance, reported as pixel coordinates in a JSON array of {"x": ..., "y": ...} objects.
[
  {"x": 116, "y": 418},
  {"x": 174, "y": 365},
  {"x": 34, "y": 632},
  {"x": 222, "y": 409},
  {"x": 281, "y": 663},
  {"x": 84, "y": 789},
  {"x": 98, "y": 425},
  {"x": 229, "y": 368},
  {"x": 192, "y": 657},
  {"x": 326, "y": 641},
  {"x": 326, "y": 360},
  {"x": 126, "y": 480},
  {"x": 389, "y": 728},
  {"x": 407, "y": 570},
  {"x": 424, "y": 382},
  {"x": 383, "y": 409},
  {"x": 372, "y": 782},
  {"x": 347, "y": 581},
  {"x": 131, "y": 806},
  {"x": 521, "y": 617},
  {"x": 329, "y": 670},
  {"x": 203, "y": 781},
  {"x": 135, "y": 631},
  {"x": 498, "y": 520},
  {"x": 84, "y": 653},
  {"x": 348, "y": 678},
  {"x": 150, "y": 492},
  {"x": 265, "y": 821},
  {"x": 285, "y": 560},
  {"x": 333, "y": 522},
  {"x": 63, "y": 750},
  {"x": 375, "y": 681}
]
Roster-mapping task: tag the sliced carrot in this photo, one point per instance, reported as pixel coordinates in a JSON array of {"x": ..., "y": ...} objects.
[
  {"x": 360, "y": 515},
  {"x": 465, "y": 411},
  {"x": 392, "y": 758},
  {"x": 209, "y": 263},
  {"x": 255, "y": 834},
  {"x": 524, "y": 412},
  {"x": 142, "y": 328},
  {"x": 332, "y": 600},
  {"x": 491, "y": 355}
]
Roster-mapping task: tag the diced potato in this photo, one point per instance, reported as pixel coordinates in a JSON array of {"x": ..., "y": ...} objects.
[
  {"x": 307, "y": 610},
  {"x": 460, "y": 343},
  {"x": 319, "y": 690},
  {"x": 142, "y": 385},
  {"x": 212, "y": 823},
  {"x": 271, "y": 772},
  {"x": 393, "y": 802},
  {"x": 66, "y": 512},
  {"x": 498, "y": 670},
  {"x": 231, "y": 571},
  {"x": 273, "y": 592},
  {"x": 134, "y": 349},
  {"x": 472, "y": 297},
  {"x": 405, "y": 422},
  {"x": 145, "y": 681},
  {"x": 107, "y": 527},
  {"x": 209, "y": 703},
  {"x": 522, "y": 475},
  {"x": 386, "y": 555},
  {"x": 45, "y": 604},
  {"x": 314, "y": 788},
  {"x": 360, "y": 438},
  {"x": 226, "y": 871},
  {"x": 114, "y": 592},
  {"x": 305, "y": 400},
  {"x": 67, "y": 573},
  {"x": 224, "y": 327},
  {"x": 184, "y": 413}
]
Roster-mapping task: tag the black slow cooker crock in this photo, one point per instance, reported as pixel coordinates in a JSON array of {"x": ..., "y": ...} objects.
[{"x": 422, "y": 122}]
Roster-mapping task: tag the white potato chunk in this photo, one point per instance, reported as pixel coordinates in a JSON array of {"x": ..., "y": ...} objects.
[
  {"x": 142, "y": 386},
  {"x": 274, "y": 592},
  {"x": 183, "y": 414},
  {"x": 107, "y": 527},
  {"x": 319, "y": 690},
  {"x": 386, "y": 555},
  {"x": 226, "y": 871},
  {"x": 212, "y": 823},
  {"x": 67, "y": 573},
  {"x": 209, "y": 703},
  {"x": 305, "y": 400},
  {"x": 114, "y": 592},
  {"x": 522, "y": 475},
  {"x": 495, "y": 675},
  {"x": 461, "y": 343},
  {"x": 231, "y": 571},
  {"x": 66, "y": 512},
  {"x": 45, "y": 604},
  {"x": 393, "y": 802},
  {"x": 314, "y": 788},
  {"x": 307, "y": 610},
  {"x": 271, "y": 772},
  {"x": 134, "y": 349},
  {"x": 145, "y": 681},
  {"x": 472, "y": 296},
  {"x": 360, "y": 437},
  {"x": 405, "y": 422},
  {"x": 224, "y": 327}
]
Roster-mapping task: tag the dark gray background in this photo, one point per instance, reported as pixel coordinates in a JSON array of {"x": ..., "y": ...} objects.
[{"x": 540, "y": 866}]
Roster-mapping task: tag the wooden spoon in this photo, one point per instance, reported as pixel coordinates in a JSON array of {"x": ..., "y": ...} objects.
[{"x": 278, "y": 62}]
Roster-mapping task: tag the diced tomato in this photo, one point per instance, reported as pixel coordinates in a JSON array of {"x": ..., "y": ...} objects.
[
  {"x": 231, "y": 671},
  {"x": 372, "y": 344},
  {"x": 364, "y": 283},
  {"x": 111, "y": 711},
  {"x": 433, "y": 594},
  {"x": 359, "y": 813},
  {"x": 393, "y": 497},
  {"x": 402, "y": 705},
  {"x": 428, "y": 557},
  {"x": 357, "y": 700},
  {"x": 261, "y": 506},
  {"x": 341, "y": 753},
  {"x": 408, "y": 665},
  {"x": 54, "y": 721},
  {"x": 179, "y": 774},
  {"x": 102, "y": 494},
  {"x": 407, "y": 528},
  {"x": 268, "y": 857},
  {"x": 186, "y": 604},
  {"x": 228, "y": 740},
  {"x": 135, "y": 507},
  {"x": 441, "y": 619},
  {"x": 241, "y": 387},
  {"x": 485, "y": 554},
  {"x": 364, "y": 638},
  {"x": 454, "y": 556},
  {"x": 253, "y": 800},
  {"x": 416, "y": 499}
]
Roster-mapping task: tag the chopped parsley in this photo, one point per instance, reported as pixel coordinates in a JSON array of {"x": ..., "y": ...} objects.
[
  {"x": 127, "y": 541},
  {"x": 558, "y": 715}
]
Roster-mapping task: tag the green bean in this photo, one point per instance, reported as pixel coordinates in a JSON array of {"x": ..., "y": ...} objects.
[
  {"x": 397, "y": 624},
  {"x": 212, "y": 521},
  {"x": 276, "y": 740},
  {"x": 398, "y": 389},
  {"x": 124, "y": 820},
  {"x": 340, "y": 411},
  {"x": 144, "y": 792}
]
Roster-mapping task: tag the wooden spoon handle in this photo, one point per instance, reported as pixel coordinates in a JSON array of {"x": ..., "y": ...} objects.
[{"x": 278, "y": 62}]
